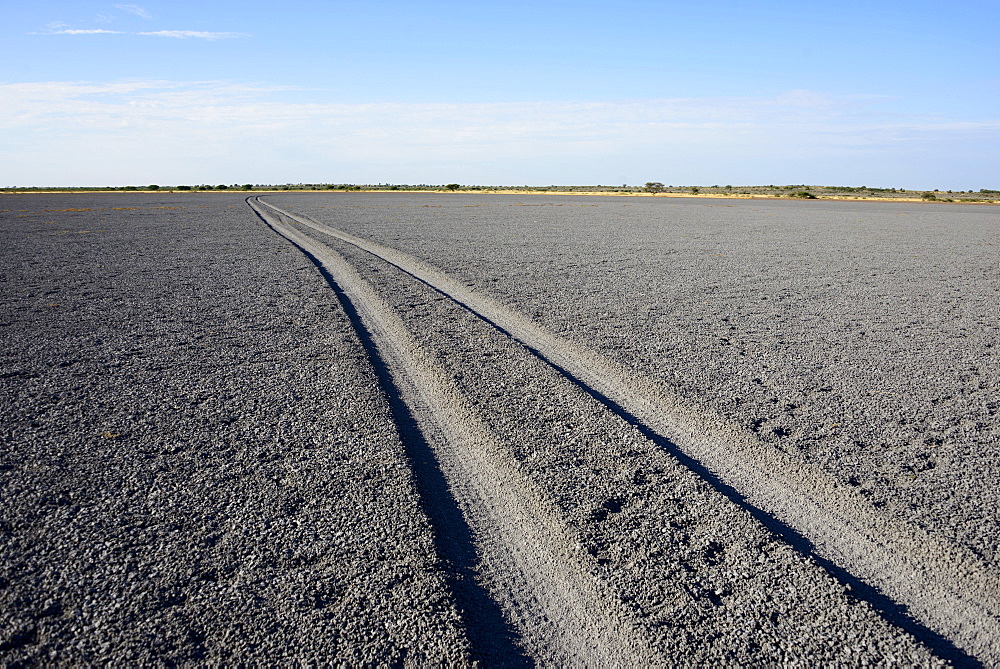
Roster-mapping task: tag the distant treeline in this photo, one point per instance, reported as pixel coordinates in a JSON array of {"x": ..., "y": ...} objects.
[{"x": 803, "y": 191}]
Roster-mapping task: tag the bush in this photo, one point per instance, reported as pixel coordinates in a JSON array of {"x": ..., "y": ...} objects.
[
  {"x": 246, "y": 186},
  {"x": 221, "y": 187},
  {"x": 803, "y": 194},
  {"x": 653, "y": 187},
  {"x": 153, "y": 187},
  {"x": 926, "y": 195},
  {"x": 453, "y": 187},
  {"x": 184, "y": 188}
]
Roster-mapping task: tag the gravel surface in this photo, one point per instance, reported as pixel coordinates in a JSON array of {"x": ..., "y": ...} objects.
[
  {"x": 196, "y": 461},
  {"x": 212, "y": 453},
  {"x": 705, "y": 582},
  {"x": 862, "y": 337}
]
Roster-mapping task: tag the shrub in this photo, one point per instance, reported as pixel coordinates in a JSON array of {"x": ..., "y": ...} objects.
[
  {"x": 184, "y": 188},
  {"x": 695, "y": 190},
  {"x": 803, "y": 194},
  {"x": 153, "y": 187},
  {"x": 246, "y": 186},
  {"x": 926, "y": 195},
  {"x": 453, "y": 187},
  {"x": 221, "y": 187}
]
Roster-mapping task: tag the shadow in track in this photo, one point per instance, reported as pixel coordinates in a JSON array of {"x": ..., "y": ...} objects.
[
  {"x": 493, "y": 640},
  {"x": 890, "y": 610}
]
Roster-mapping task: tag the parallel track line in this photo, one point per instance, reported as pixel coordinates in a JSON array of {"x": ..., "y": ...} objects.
[
  {"x": 939, "y": 583},
  {"x": 531, "y": 562}
]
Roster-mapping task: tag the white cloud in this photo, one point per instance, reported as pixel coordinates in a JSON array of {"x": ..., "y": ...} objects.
[
  {"x": 183, "y": 132},
  {"x": 59, "y": 28},
  {"x": 89, "y": 31},
  {"x": 136, "y": 10},
  {"x": 199, "y": 34}
]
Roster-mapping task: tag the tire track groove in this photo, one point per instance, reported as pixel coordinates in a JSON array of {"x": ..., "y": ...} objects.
[
  {"x": 952, "y": 596},
  {"x": 530, "y": 563}
]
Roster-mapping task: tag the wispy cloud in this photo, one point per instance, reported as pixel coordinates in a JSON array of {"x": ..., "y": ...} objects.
[
  {"x": 87, "y": 31},
  {"x": 135, "y": 10},
  {"x": 58, "y": 29},
  {"x": 185, "y": 131},
  {"x": 196, "y": 34}
]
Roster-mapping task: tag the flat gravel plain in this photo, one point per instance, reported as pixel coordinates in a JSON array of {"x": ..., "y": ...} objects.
[
  {"x": 196, "y": 462},
  {"x": 862, "y": 337},
  {"x": 217, "y": 448}
]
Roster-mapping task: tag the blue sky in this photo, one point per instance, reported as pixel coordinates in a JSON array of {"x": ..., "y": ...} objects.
[{"x": 546, "y": 92}]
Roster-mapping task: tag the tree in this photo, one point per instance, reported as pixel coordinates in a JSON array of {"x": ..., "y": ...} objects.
[
  {"x": 153, "y": 187},
  {"x": 247, "y": 186},
  {"x": 453, "y": 187},
  {"x": 654, "y": 187},
  {"x": 695, "y": 189}
]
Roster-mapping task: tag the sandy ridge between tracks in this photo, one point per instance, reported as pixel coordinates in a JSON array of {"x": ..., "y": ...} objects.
[
  {"x": 531, "y": 563},
  {"x": 941, "y": 584}
]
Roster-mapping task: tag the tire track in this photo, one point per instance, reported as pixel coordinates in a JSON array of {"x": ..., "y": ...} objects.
[
  {"x": 530, "y": 562},
  {"x": 941, "y": 585}
]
